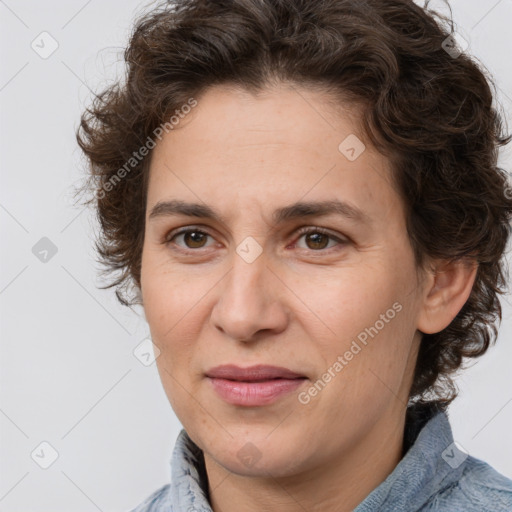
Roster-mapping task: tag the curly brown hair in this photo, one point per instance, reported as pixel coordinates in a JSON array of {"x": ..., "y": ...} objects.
[{"x": 430, "y": 111}]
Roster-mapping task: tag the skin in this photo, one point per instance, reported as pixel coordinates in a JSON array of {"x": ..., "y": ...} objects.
[{"x": 300, "y": 304}]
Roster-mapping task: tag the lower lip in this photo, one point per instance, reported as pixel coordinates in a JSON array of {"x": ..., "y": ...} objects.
[{"x": 254, "y": 393}]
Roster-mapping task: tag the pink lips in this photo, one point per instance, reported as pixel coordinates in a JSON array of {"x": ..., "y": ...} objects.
[{"x": 253, "y": 386}]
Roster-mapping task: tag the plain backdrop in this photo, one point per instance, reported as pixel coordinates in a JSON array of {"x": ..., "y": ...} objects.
[{"x": 69, "y": 377}]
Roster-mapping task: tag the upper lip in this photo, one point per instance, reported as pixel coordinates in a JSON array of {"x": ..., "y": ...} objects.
[{"x": 252, "y": 373}]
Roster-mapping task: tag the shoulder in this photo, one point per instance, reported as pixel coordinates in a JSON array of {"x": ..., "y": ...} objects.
[
  {"x": 479, "y": 487},
  {"x": 486, "y": 486},
  {"x": 158, "y": 501}
]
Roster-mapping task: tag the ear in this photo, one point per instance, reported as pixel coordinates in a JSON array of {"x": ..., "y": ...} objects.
[{"x": 447, "y": 288}]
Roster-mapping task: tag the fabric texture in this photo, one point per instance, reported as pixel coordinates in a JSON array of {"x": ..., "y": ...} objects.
[{"x": 432, "y": 476}]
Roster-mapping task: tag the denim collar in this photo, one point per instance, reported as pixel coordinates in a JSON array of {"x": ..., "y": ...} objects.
[
  {"x": 421, "y": 473},
  {"x": 430, "y": 464}
]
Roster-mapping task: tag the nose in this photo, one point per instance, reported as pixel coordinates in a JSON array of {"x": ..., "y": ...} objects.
[{"x": 250, "y": 301}]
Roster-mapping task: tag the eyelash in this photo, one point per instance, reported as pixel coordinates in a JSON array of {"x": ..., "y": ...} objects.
[{"x": 302, "y": 231}]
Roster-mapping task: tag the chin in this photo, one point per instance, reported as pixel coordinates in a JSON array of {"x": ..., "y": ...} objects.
[{"x": 258, "y": 454}]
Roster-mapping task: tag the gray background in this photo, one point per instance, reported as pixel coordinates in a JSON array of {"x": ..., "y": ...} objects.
[{"x": 68, "y": 373}]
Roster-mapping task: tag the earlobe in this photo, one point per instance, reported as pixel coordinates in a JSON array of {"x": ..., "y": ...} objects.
[{"x": 446, "y": 291}]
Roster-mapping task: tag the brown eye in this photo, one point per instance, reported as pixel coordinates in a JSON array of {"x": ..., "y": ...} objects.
[
  {"x": 191, "y": 239},
  {"x": 317, "y": 241},
  {"x": 194, "y": 239}
]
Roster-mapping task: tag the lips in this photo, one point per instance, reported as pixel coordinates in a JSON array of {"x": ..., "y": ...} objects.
[
  {"x": 258, "y": 373},
  {"x": 255, "y": 386}
]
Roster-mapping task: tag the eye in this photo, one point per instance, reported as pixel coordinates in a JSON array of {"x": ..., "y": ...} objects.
[
  {"x": 318, "y": 239},
  {"x": 191, "y": 237}
]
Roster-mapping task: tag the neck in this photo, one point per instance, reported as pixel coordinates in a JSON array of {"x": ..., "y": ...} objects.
[{"x": 340, "y": 484}]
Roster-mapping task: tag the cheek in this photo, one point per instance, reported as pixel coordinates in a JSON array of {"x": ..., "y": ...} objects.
[
  {"x": 169, "y": 297},
  {"x": 175, "y": 305},
  {"x": 173, "y": 313},
  {"x": 366, "y": 317},
  {"x": 346, "y": 303}
]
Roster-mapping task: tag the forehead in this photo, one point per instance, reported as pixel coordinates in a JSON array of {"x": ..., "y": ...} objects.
[
  {"x": 236, "y": 149},
  {"x": 280, "y": 115}
]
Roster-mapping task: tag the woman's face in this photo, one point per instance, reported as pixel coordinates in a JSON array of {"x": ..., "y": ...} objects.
[{"x": 262, "y": 286}]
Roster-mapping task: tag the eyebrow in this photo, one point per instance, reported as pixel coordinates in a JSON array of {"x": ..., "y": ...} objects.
[{"x": 281, "y": 215}]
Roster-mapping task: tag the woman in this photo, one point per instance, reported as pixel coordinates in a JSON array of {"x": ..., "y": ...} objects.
[{"x": 305, "y": 198}]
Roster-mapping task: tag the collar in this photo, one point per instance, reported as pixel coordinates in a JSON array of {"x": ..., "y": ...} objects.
[{"x": 424, "y": 469}]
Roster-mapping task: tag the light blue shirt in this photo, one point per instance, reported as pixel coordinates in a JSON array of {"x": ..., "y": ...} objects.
[{"x": 433, "y": 476}]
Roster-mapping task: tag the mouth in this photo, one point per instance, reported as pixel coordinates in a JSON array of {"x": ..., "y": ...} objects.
[
  {"x": 258, "y": 373},
  {"x": 254, "y": 386}
]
